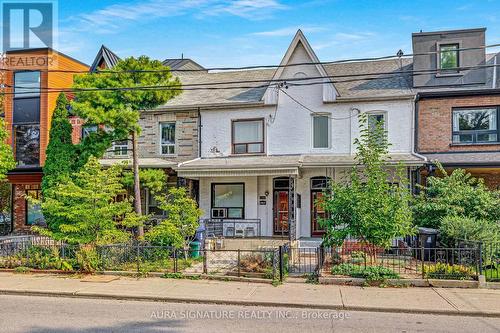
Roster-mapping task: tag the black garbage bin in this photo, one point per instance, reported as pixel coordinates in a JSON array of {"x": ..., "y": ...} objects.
[{"x": 427, "y": 239}]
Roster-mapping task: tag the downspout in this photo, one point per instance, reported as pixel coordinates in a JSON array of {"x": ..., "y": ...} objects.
[
  {"x": 415, "y": 108},
  {"x": 199, "y": 132}
]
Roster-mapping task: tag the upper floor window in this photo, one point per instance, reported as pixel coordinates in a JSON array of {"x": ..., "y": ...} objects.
[
  {"x": 88, "y": 129},
  {"x": 448, "y": 56},
  {"x": 478, "y": 125},
  {"x": 27, "y": 145},
  {"x": 375, "y": 120},
  {"x": 167, "y": 133},
  {"x": 321, "y": 131},
  {"x": 26, "y": 84},
  {"x": 120, "y": 148},
  {"x": 248, "y": 136}
]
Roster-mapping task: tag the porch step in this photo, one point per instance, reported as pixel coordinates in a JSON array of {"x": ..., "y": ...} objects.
[{"x": 310, "y": 243}]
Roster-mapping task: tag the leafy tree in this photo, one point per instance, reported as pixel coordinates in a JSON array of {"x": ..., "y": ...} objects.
[
  {"x": 182, "y": 221},
  {"x": 60, "y": 151},
  {"x": 6, "y": 156},
  {"x": 5, "y": 193},
  {"x": 102, "y": 99},
  {"x": 457, "y": 194},
  {"x": 369, "y": 207},
  {"x": 455, "y": 228},
  {"x": 93, "y": 206}
]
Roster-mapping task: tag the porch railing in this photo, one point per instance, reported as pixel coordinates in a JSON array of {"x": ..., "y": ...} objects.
[{"x": 232, "y": 228}]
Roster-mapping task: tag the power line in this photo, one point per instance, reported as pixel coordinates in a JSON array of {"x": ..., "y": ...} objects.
[
  {"x": 387, "y": 57},
  {"x": 268, "y": 82}
]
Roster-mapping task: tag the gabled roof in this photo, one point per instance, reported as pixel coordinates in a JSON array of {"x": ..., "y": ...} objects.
[
  {"x": 329, "y": 91},
  {"x": 182, "y": 64},
  {"x": 106, "y": 56}
]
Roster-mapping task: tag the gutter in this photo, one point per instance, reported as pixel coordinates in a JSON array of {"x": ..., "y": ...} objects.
[{"x": 459, "y": 93}]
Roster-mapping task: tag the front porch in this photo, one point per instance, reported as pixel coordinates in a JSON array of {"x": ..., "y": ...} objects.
[{"x": 269, "y": 196}]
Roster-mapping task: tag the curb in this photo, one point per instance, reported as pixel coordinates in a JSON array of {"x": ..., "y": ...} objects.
[
  {"x": 246, "y": 303},
  {"x": 409, "y": 283}
]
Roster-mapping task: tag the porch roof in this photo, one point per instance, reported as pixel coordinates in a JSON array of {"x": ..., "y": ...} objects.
[
  {"x": 154, "y": 163},
  {"x": 274, "y": 164},
  {"x": 466, "y": 159}
]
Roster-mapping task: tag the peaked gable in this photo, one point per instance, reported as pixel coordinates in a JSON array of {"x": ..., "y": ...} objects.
[
  {"x": 300, "y": 44},
  {"x": 105, "y": 59}
]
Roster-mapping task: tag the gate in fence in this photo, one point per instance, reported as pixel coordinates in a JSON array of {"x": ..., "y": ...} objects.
[{"x": 303, "y": 260}]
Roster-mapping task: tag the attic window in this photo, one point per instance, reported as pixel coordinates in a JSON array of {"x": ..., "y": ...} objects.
[{"x": 448, "y": 57}]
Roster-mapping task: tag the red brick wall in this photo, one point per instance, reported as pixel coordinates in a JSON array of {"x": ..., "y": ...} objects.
[
  {"x": 77, "y": 124},
  {"x": 435, "y": 123}
]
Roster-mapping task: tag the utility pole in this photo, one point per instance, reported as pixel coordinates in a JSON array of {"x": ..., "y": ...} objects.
[{"x": 137, "y": 182}]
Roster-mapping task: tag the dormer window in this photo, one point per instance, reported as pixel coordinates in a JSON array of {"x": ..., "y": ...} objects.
[{"x": 448, "y": 57}]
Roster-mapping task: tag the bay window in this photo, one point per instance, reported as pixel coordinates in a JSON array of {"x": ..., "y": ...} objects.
[
  {"x": 228, "y": 200},
  {"x": 248, "y": 136},
  {"x": 476, "y": 125}
]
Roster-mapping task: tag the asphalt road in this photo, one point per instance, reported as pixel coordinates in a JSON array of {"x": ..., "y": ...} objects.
[{"x": 71, "y": 315}]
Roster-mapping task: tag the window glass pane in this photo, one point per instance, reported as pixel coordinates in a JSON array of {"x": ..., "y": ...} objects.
[
  {"x": 319, "y": 183},
  {"x": 486, "y": 137},
  {"x": 33, "y": 211},
  {"x": 248, "y": 131},
  {"x": 255, "y": 148},
  {"x": 26, "y": 110},
  {"x": 448, "y": 56},
  {"x": 235, "y": 213},
  {"x": 168, "y": 133},
  {"x": 228, "y": 195},
  {"x": 27, "y": 84},
  {"x": 375, "y": 119},
  {"x": 27, "y": 145},
  {"x": 240, "y": 149},
  {"x": 320, "y": 131},
  {"x": 478, "y": 119}
]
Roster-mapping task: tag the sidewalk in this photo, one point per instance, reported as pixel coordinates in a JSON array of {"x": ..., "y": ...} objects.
[{"x": 471, "y": 302}]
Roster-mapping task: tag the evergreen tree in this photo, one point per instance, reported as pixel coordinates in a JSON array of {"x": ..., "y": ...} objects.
[{"x": 60, "y": 151}]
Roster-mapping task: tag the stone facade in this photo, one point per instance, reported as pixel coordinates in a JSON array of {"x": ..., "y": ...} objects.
[
  {"x": 435, "y": 123},
  {"x": 186, "y": 134}
]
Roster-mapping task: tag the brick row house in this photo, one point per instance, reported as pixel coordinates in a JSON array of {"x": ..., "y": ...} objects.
[
  {"x": 258, "y": 156},
  {"x": 458, "y": 111},
  {"x": 28, "y": 107}
]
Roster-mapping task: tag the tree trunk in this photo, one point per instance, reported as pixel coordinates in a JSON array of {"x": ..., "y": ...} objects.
[{"x": 137, "y": 182}]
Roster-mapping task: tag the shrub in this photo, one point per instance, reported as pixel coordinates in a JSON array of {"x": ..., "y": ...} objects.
[
  {"x": 370, "y": 273},
  {"x": 87, "y": 259},
  {"x": 446, "y": 271}
]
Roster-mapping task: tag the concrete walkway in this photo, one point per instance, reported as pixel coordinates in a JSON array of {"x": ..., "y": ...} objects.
[{"x": 471, "y": 302}]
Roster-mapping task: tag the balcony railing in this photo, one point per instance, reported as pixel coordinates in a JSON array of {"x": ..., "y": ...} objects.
[{"x": 232, "y": 228}]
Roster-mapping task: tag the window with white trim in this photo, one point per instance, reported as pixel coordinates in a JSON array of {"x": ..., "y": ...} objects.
[
  {"x": 248, "y": 136},
  {"x": 120, "y": 148},
  {"x": 321, "y": 131},
  {"x": 167, "y": 138}
]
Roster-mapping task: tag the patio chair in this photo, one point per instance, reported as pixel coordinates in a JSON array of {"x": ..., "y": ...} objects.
[
  {"x": 249, "y": 232},
  {"x": 239, "y": 232},
  {"x": 230, "y": 232}
]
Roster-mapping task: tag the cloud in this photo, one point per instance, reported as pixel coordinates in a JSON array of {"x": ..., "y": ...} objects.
[
  {"x": 109, "y": 19},
  {"x": 288, "y": 31},
  {"x": 343, "y": 37},
  {"x": 250, "y": 9}
]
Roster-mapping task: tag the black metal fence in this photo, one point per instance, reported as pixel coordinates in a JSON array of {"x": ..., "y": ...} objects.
[
  {"x": 406, "y": 262},
  {"x": 142, "y": 259}
]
